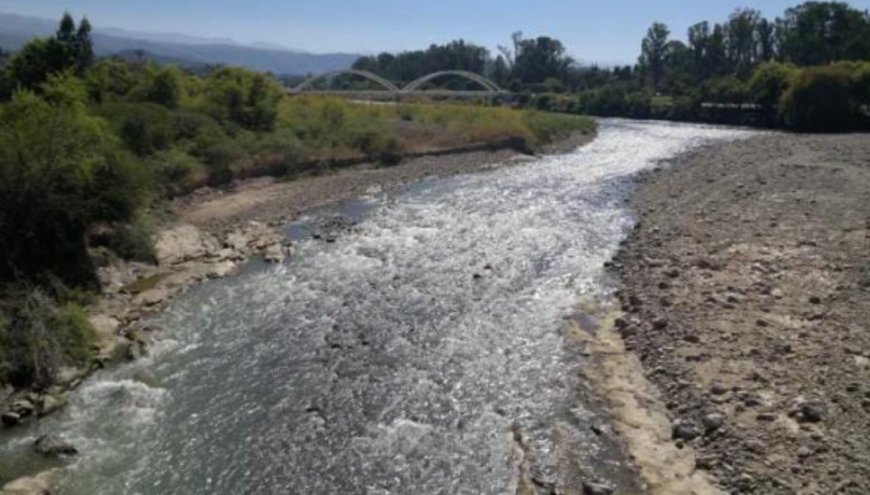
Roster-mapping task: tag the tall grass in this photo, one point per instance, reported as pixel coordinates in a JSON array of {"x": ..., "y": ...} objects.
[{"x": 334, "y": 127}]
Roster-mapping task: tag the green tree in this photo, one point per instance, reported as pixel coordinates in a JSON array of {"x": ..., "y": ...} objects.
[
  {"x": 652, "y": 57},
  {"x": 820, "y": 99},
  {"x": 247, "y": 98},
  {"x": 767, "y": 40},
  {"x": 741, "y": 40},
  {"x": 84, "y": 47},
  {"x": 500, "y": 72},
  {"x": 817, "y": 33},
  {"x": 61, "y": 170},
  {"x": 36, "y": 61},
  {"x": 66, "y": 31},
  {"x": 40, "y": 58},
  {"x": 769, "y": 81},
  {"x": 538, "y": 59}
]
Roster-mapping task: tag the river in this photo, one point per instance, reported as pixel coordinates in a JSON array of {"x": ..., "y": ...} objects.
[{"x": 420, "y": 354}]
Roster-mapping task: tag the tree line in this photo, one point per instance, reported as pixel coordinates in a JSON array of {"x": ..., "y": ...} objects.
[{"x": 775, "y": 66}]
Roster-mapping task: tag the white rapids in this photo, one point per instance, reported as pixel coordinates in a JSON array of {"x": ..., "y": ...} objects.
[{"x": 398, "y": 360}]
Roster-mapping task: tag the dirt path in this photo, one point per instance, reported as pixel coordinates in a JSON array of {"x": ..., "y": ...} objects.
[{"x": 747, "y": 299}]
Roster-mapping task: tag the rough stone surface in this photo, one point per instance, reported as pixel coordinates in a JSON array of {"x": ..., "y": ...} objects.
[
  {"x": 182, "y": 243},
  {"x": 774, "y": 229},
  {"x": 54, "y": 446}
]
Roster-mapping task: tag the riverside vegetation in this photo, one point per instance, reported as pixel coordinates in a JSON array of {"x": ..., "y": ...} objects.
[
  {"x": 808, "y": 70},
  {"x": 89, "y": 149}
]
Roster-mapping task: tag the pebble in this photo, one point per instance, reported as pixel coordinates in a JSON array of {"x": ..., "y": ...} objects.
[
  {"x": 766, "y": 417},
  {"x": 718, "y": 388},
  {"x": 683, "y": 431},
  {"x": 713, "y": 422},
  {"x": 10, "y": 418},
  {"x": 590, "y": 488},
  {"x": 812, "y": 412}
]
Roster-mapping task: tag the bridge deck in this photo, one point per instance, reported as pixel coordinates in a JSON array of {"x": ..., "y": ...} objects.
[{"x": 393, "y": 95}]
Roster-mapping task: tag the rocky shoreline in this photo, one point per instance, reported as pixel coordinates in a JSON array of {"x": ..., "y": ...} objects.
[
  {"x": 214, "y": 232},
  {"x": 746, "y": 299}
]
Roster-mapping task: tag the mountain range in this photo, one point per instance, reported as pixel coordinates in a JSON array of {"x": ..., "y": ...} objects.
[{"x": 15, "y": 30}]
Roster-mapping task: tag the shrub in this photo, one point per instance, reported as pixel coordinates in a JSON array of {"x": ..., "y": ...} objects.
[
  {"x": 247, "y": 98},
  {"x": 143, "y": 127},
  {"x": 109, "y": 80},
  {"x": 133, "y": 240},
  {"x": 769, "y": 81},
  {"x": 175, "y": 171},
  {"x": 38, "y": 337},
  {"x": 162, "y": 86},
  {"x": 820, "y": 99},
  {"x": 61, "y": 169},
  {"x": 728, "y": 89}
]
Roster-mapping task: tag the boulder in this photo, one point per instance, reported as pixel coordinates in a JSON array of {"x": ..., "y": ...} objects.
[
  {"x": 10, "y": 418},
  {"x": 30, "y": 485},
  {"x": 50, "y": 403},
  {"x": 274, "y": 253},
  {"x": 151, "y": 297},
  {"x": 105, "y": 327},
  {"x": 54, "y": 446},
  {"x": 23, "y": 407},
  {"x": 183, "y": 243}
]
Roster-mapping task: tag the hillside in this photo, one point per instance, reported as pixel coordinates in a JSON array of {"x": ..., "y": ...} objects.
[{"x": 15, "y": 30}]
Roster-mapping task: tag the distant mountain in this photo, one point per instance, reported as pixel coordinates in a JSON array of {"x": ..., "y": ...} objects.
[{"x": 15, "y": 30}]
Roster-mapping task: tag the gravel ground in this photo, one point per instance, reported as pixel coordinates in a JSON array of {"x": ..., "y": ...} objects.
[{"x": 747, "y": 299}]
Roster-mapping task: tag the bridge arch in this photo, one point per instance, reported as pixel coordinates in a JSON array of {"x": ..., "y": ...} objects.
[
  {"x": 380, "y": 81},
  {"x": 471, "y": 76}
]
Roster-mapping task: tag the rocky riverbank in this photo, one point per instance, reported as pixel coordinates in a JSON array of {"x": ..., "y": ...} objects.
[
  {"x": 214, "y": 232},
  {"x": 746, "y": 299}
]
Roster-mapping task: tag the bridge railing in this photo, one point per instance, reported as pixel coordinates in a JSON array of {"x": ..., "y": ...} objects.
[{"x": 414, "y": 87}]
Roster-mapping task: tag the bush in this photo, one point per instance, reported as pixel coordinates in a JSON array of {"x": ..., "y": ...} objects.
[
  {"x": 769, "y": 81},
  {"x": 820, "y": 99},
  {"x": 162, "y": 86},
  {"x": 38, "y": 337},
  {"x": 143, "y": 127},
  {"x": 109, "y": 80},
  {"x": 175, "y": 171},
  {"x": 727, "y": 89},
  {"x": 133, "y": 240},
  {"x": 61, "y": 170},
  {"x": 247, "y": 98}
]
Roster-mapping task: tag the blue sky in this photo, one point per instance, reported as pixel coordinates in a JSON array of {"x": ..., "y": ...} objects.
[{"x": 594, "y": 31}]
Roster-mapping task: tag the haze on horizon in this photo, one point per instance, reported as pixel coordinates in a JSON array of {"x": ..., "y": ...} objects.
[{"x": 593, "y": 32}]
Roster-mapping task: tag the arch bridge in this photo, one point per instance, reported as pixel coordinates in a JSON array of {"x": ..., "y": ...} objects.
[{"x": 415, "y": 87}]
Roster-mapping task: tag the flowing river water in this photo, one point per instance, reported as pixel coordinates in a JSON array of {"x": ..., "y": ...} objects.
[{"x": 419, "y": 354}]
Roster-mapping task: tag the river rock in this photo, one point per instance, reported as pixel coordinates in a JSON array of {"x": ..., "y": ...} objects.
[
  {"x": 183, "y": 243},
  {"x": 683, "y": 430},
  {"x": 10, "y": 418},
  {"x": 151, "y": 297},
  {"x": 274, "y": 253},
  {"x": 812, "y": 412},
  {"x": 23, "y": 407},
  {"x": 236, "y": 241},
  {"x": 50, "y": 403},
  {"x": 54, "y": 446},
  {"x": 105, "y": 328},
  {"x": 30, "y": 485},
  {"x": 590, "y": 488},
  {"x": 713, "y": 422}
]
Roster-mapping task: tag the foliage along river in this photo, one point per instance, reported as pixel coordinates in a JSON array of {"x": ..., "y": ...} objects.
[{"x": 415, "y": 355}]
